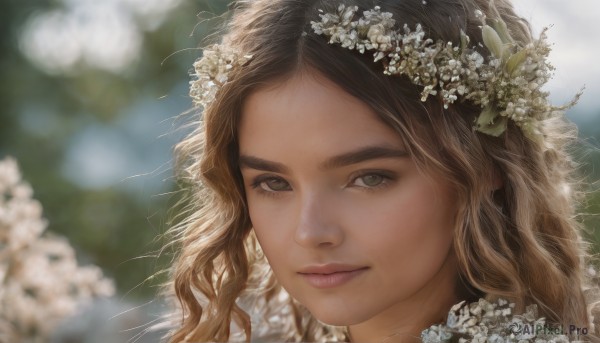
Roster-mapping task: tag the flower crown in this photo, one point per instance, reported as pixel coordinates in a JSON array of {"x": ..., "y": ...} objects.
[{"x": 507, "y": 84}]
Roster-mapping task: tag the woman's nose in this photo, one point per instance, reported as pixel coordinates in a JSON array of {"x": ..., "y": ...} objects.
[{"x": 317, "y": 226}]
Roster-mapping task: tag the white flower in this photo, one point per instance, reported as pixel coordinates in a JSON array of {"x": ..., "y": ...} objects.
[
  {"x": 40, "y": 281},
  {"x": 9, "y": 174},
  {"x": 212, "y": 71}
]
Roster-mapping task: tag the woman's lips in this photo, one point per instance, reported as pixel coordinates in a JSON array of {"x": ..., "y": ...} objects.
[{"x": 332, "y": 279}]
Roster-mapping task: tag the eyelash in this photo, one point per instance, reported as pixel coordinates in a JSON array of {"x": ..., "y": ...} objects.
[{"x": 387, "y": 178}]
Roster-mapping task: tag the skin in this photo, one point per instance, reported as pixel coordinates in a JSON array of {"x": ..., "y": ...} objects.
[{"x": 380, "y": 213}]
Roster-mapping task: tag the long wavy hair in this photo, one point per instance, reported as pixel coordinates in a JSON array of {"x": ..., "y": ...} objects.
[{"x": 522, "y": 242}]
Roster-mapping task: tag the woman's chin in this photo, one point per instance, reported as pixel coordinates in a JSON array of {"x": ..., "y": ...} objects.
[{"x": 337, "y": 317}]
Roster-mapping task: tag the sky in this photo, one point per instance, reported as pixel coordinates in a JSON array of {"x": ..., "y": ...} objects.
[{"x": 576, "y": 50}]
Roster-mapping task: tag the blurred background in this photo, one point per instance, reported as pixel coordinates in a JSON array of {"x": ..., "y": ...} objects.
[{"x": 90, "y": 91}]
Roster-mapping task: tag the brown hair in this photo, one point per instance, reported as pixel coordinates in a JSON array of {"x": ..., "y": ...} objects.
[{"x": 510, "y": 242}]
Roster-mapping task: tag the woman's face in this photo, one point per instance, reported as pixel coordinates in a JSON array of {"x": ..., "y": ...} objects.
[{"x": 350, "y": 227}]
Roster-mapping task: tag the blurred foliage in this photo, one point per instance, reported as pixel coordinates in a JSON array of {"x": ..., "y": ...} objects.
[{"x": 112, "y": 226}]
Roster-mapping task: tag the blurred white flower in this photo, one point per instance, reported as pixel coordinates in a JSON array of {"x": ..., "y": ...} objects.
[
  {"x": 9, "y": 174},
  {"x": 106, "y": 34},
  {"x": 41, "y": 283}
]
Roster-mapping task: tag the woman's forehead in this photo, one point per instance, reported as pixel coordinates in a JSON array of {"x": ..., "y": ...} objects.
[{"x": 310, "y": 111}]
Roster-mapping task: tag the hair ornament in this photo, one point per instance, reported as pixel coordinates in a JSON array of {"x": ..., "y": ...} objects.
[
  {"x": 212, "y": 71},
  {"x": 506, "y": 86}
]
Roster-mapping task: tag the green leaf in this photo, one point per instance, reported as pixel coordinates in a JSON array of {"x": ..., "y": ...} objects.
[
  {"x": 487, "y": 116},
  {"x": 502, "y": 30},
  {"x": 515, "y": 61},
  {"x": 492, "y": 41},
  {"x": 495, "y": 129},
  {"x": 490, "y": 122},
  {"x": 506, "y": 54}
]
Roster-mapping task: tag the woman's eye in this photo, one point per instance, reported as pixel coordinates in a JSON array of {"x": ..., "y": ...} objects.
[
  {"x": 274, "y": 186},
  {"x": 372, "y": 181},
  {"x": 270, "y": 185}
]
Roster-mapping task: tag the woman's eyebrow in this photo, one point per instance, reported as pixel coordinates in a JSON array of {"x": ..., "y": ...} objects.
[{"x": 345, "y": 159}]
